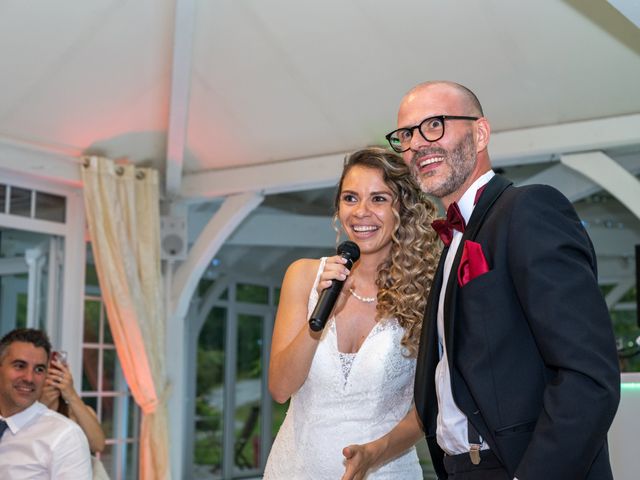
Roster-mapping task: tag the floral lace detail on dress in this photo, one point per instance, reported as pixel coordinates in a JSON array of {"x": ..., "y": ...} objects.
[
  {"x": 346, "y": 399},
  {"x": 346, "y": 361}
]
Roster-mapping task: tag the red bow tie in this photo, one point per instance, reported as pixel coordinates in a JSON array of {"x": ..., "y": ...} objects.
[{"x": 445, "y": 226}]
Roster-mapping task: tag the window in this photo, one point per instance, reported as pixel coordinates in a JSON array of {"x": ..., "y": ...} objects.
[
  {"x": 233, "y": 429},
  {"x": 26, "y": 202},
  {"x": 105, "y": 389}
]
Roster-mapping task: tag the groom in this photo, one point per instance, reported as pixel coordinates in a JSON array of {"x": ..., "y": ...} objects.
[{"x": 517, "y": 372}]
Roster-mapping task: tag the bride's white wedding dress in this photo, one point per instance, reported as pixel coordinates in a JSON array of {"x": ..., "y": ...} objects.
[{"x": 346, "y": 399}]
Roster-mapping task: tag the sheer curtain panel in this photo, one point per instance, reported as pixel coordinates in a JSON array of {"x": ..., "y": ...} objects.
[{"x": 122, "y": 209}]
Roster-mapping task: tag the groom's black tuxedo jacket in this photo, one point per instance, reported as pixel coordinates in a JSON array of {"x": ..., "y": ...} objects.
[{"x": 530, "y": 343}]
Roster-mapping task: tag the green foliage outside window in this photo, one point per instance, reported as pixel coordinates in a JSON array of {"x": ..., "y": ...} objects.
[
  {"x": 209, "y": 376},
  {"x": 252, "y": 293},
  {"x": 208, "y": 448},
  {"x": 210, "y": 372}
]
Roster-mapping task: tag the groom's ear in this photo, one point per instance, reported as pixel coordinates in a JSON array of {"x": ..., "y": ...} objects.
[{"x": 483, "y": 132}]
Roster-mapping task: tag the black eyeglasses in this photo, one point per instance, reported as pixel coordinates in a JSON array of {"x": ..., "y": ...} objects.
[{"x": 431, "y": 129}]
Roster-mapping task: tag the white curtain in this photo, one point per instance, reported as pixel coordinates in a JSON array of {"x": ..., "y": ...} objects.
[{"x": 122, "y": 209}]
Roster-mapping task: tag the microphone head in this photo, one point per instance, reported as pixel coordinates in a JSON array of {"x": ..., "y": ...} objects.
[{"x": 349, "y": 250}]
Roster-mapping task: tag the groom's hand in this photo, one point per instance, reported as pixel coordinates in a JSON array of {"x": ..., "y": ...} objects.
[{"x": 358, "y": 460}]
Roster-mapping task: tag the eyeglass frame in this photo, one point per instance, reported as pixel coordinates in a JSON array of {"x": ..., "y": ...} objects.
[{"x": 411, "y": 129}]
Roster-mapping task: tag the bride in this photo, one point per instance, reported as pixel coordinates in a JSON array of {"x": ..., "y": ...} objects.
[{"x": 351, "y": 384}]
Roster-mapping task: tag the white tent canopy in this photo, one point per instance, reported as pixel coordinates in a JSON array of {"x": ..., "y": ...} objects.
[
  {"x": 229, "y": 97},
  {"x": 247, "y": 108}
]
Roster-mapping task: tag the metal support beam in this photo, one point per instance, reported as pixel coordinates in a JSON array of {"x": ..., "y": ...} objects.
[
  {"x": 289, "y": 176},
  {"x": 574, "y": 185},
  {"x": 628, "y": 8},
  {"x": 614, "y": 296},
  {"x": 529, "y": 145},
  {"x": 516, "y": 147},
  {"x": 184, "y": 30},
  {"x": 48, "y": 163},
  {"x": 232, "y": 212},
  {"x": 604, "y": 171}
]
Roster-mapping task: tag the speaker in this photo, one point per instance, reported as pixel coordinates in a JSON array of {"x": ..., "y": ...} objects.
[{"x": 173, "y": 238}]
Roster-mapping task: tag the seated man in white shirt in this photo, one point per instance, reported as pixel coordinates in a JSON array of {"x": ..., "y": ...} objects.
[{"x": 35, "y": 442}]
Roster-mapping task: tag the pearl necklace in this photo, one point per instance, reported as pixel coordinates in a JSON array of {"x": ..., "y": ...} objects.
[{"x": 362, "y": 299}]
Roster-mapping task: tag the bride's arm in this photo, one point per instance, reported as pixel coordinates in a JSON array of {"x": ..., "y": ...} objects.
[
  {"x": 294, "y": 343},
  {"x": 361, "y": 458}
]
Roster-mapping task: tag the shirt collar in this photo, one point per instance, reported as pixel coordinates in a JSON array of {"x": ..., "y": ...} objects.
[
  {"x": 20, "y": 419},
  {"x": 467, "y": 201}
]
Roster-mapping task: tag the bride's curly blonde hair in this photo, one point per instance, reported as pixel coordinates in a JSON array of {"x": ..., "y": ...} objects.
[{"x": 404, "y": 279}]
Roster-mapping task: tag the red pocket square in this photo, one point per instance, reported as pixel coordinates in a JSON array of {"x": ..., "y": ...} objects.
[{"x": 472, "y": 264}]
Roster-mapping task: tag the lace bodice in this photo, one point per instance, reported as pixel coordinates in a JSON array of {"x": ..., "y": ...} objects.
[
  {"x": 346, "y": 399},
  {"x": 346, "y": 361}
]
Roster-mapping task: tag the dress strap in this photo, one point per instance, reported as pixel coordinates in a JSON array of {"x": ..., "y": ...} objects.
[{"x": 313, "y": 294}]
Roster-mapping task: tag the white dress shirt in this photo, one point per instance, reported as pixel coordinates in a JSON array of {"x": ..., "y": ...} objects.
[
  {"x": 452, "y": 424},
  {"x": 42, "y": 444}
]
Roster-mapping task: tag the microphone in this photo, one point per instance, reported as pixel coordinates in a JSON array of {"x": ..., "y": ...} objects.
[{"x": 328, "y": 297}]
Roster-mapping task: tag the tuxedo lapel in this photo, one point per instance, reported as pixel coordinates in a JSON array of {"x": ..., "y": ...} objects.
[
  {"x": 428, "y": 355},
  {"x": 491, "y": 193}
]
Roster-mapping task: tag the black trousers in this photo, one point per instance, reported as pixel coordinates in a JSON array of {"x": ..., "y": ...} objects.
[{"x": 459, "y": 467}]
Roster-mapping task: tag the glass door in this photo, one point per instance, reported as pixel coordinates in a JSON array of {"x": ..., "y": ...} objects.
[
  {"x": 249, "y": 401},
  {"x": 232, "y": 427}
]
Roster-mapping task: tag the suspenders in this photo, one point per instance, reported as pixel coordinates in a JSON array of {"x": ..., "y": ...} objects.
[{"x": 475, "y": 443}]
